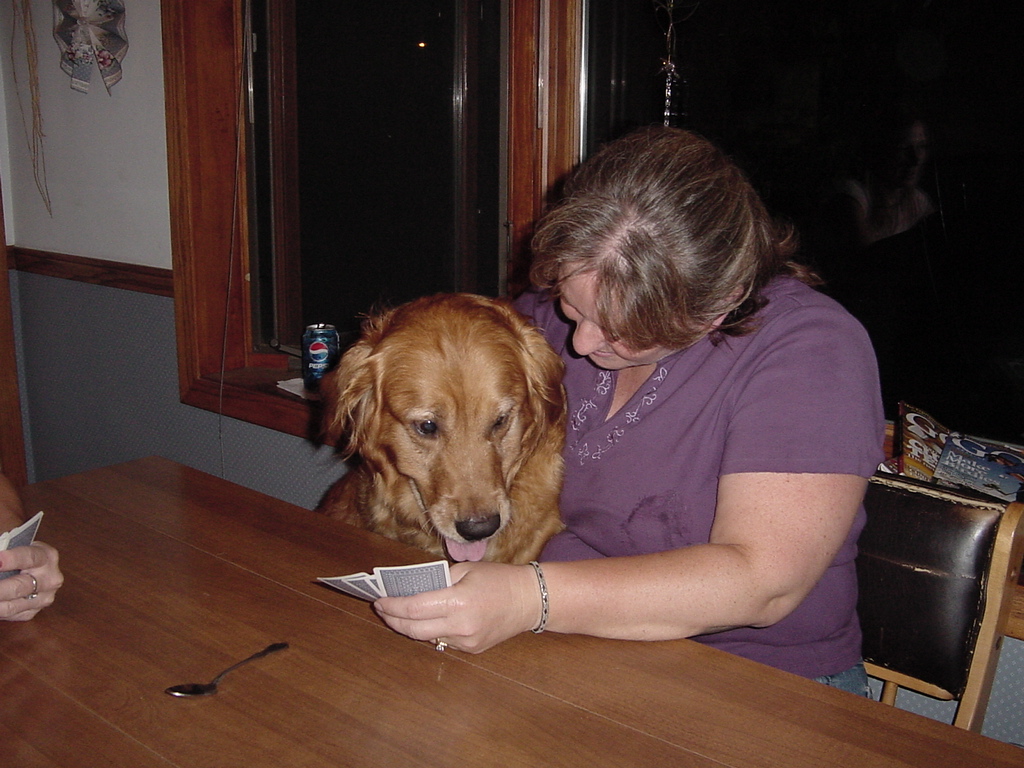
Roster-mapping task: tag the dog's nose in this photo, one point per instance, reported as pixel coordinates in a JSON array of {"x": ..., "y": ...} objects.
[{"x": 476, "y": 528}]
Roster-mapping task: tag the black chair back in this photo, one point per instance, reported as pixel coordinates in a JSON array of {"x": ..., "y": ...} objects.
[{"x": 921, "y": 569}]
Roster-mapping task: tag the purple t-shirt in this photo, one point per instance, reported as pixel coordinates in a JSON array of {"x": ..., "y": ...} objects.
[{"x": 799, "y": 394}]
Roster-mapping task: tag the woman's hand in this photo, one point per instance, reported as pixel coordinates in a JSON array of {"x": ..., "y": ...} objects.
[
  {"x": 22, "y": 596},
  {"x": 486, "y": 604}
]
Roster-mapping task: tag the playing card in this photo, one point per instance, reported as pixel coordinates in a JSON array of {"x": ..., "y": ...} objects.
[
  {"x": 21, "y": 536},
  {"x": 393, "y": 581},
  {"x": 343, "y": 584},
  {"x": 366, "y": 582},
  {"x": 404, "y": 580}
]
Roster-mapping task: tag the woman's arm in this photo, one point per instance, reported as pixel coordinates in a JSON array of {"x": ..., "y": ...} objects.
[{"x": 774, "y": 536}]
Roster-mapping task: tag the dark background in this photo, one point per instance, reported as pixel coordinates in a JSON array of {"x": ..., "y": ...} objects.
[{"x": 788, "y": 87}]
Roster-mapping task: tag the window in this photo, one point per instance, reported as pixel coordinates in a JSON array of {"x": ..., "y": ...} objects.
[
  {"x": 375, "y": 158},
  {"x": 222, "y": 365}
]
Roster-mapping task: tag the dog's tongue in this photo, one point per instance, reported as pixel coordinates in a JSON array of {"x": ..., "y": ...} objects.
[{"x": 460, "y": 552}]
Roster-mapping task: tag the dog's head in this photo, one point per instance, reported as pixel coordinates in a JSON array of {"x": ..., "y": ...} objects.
[{"x": 445, "y": 398}]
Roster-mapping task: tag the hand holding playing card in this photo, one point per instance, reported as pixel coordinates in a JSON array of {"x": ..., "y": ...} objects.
[
  {"x": 487, "y": 604},
  {"x": 393, "y": 581},
  {"x": 29, "y": 572},
  {"x": 21, "y": 536}
]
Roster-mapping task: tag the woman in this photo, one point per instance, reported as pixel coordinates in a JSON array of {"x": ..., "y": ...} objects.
[
  {"x": 888, "y": 199},
  {"x": 724, "y": 417},
  {"x": 877, "y": 251},
  {"x": 37, "y": 577}
]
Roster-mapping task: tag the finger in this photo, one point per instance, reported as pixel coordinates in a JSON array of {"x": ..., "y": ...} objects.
[
  {"x": 426, "y": 605},
  {"x": 428, "y": 630},
  {"x": 11, "y": 589},
  {"x": 459, "y": 570},
  {"x": 23, "y": 558},
  {"x": 29, "y": 600},
  {"x": 19, "y": 610},
  {"x": 20, "y": 585}
]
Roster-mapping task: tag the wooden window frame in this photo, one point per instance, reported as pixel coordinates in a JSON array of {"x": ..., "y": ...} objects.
[
  {"x": 13, "y": 461},
  {"x": 218, "y": 369}
]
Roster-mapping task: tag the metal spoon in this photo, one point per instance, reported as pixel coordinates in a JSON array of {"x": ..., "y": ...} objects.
[{"x": 206, "y": 689}]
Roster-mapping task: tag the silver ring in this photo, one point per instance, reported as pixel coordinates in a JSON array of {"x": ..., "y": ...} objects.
[
  {"x": 35, "y": 588},
  {"x": 440, "y": 645}
]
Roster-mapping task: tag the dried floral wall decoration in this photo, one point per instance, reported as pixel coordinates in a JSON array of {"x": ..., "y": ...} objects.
[
  {"x": 34, "y": 133},
  {"x": 90, "y": 32}
]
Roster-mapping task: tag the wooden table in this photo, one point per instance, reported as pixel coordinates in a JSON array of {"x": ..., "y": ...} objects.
[{"x": 172, "y": 575}]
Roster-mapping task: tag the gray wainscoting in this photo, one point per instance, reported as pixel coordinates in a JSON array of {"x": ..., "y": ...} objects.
[{"x": 100, "y": 386}]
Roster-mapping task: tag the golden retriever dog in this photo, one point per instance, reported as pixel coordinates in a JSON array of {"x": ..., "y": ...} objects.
[{"x": 453, "y": 408}]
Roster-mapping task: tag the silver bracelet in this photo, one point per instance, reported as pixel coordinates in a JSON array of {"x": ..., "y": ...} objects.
[{"x": 543, "y": 597}]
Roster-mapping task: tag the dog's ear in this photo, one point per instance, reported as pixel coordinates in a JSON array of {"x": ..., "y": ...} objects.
[
  {"x": 544, "y": 370},
  {"x": 346, "y": 392},
  {"x": 351, "y": 393}
]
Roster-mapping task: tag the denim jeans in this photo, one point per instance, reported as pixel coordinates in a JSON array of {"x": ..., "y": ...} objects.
[{"x": 854, "y": 680}]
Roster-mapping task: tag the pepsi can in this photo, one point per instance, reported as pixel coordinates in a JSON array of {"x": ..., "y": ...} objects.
[{"x": 319, "y": 353}]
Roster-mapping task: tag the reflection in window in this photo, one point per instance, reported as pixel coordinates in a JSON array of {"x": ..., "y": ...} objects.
[{"x": 793, "y": 90}]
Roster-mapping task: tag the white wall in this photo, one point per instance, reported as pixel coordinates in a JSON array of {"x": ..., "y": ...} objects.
[{"x": 105, "y": 155}]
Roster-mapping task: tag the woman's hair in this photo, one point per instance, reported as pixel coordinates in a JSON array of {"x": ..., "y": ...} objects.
[{"x": 675, "y": 234}]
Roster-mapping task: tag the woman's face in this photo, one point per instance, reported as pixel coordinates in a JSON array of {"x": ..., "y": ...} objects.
[
  {"x": 911, "y": 155},
  {"x": 579, "y": 304}
]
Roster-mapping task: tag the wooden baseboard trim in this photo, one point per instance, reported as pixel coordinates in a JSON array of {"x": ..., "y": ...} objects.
[{"x": 113, "y": 274}]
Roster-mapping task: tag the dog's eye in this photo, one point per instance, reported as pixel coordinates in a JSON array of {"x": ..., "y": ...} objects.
[
  {"x": 499, "y": 422},
  {"x": 426, "y": 428}
]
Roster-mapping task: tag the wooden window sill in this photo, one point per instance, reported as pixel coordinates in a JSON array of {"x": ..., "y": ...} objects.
[{"x": 252, "y": 395}]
